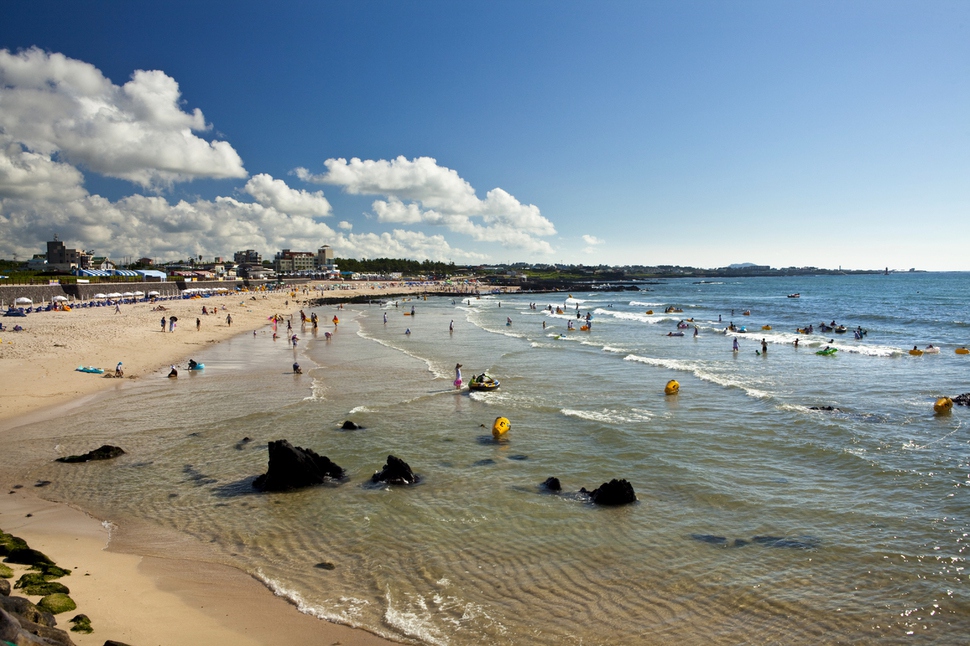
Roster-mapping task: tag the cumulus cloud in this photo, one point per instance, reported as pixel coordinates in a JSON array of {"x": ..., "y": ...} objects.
[
  {"x": 419, "y": 191},
  {"x": 55, "y": 105},
  {"x": 60, "y": 116},
  {"x": 592, "y": 240},
  {"x": 275, "y": 193}
]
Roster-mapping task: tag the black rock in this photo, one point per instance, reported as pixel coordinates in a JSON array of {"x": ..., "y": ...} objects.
[
  {"x": 25, "y": 611},
  {"x": 105, "y": 452},
  {"x": 27, "y": 556},
  {"x": 396, "y": 471},
  {"x": 351, "y": 426},
  {"x": 4, "y": 588},
  {"x": 293, "y": 467},
  {"x": 962, "y": 400},
  {"x": 325, "y": 565},
  {"x": 551, "y": 484},
  {"x": 612, "y": 493},
  {"x": 112, "y": 642}
]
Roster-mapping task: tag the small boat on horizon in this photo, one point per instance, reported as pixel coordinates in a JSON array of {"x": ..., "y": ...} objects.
[{"x": 795, "y": 295}]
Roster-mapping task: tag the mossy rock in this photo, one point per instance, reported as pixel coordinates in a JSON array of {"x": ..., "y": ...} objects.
[
  {"x": 57, "y": 603},
  {"x": 5, "y": 572},
  {"x": 30, "y": 578},
  {"x": 51, "y": 571},
  {"x": 9, "y": 542},
  {"x": 27, "y": 556},
  {"x": 82, "y": 624},
  {"x": 45, "y": 589}
]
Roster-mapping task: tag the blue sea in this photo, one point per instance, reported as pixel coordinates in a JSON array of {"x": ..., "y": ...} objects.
[{"x": 783, "y": 496}]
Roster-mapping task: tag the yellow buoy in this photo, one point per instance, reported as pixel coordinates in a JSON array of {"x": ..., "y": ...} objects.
[
  {"x": 672, "y": 387},
  {"x": 943, "y": 405},
  {"x": 500, "y": 427},
  {"x": 765, "y": 327},
  {"x": 962, "y": 350},
  {"x": 649, "y": 311}
]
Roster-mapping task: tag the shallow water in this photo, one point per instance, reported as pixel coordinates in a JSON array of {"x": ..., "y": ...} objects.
[{"x": 759, "y": 520}]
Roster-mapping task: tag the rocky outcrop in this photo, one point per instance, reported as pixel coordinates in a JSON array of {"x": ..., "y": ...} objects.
[
  {"x": 18, "y": 627},
  {"x": 351, "y": 426},
  {"x": 612, "y": 493},
  {"x": 551, "y": 484},
  {"x": 962, "y": 400},
  {"x": 105, "y": 452},
  {"x": 293, "y": 467},
  {"x": 395, "y": 472}
]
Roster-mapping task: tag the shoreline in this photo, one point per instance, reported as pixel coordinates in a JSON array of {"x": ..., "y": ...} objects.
[{"x": 130, "y": 596}]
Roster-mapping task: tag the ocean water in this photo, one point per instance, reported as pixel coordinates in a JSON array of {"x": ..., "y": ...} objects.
[{"x": 759, "y": 519}]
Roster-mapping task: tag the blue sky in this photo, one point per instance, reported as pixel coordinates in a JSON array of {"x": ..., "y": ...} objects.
[{"x": 692, "y": 133}]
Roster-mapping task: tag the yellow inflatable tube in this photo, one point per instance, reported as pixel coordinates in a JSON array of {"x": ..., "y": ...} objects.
[
  {"x": 962, "y": 350},
  {"x": 943, "y": 405},
  {"x": 500, "y": 427},
  {"x": 672, "y": 387}
]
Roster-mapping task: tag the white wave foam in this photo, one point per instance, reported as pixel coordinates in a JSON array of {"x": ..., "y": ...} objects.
[
  {"x": 608, "y": 416},
  {"x": 644, "y": 304},
  {"x": 697, "y": 369},
  {"x": 413, "y": 624},
  {"x": 348, "y": 613},
  {"x": 361, "y": 409}
]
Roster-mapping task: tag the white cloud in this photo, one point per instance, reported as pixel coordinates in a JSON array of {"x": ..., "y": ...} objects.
[
  {"x": 346, "y": 226},
  {"x": 275, "y": 193},
  {"x": 419, "y": 191},
  {"x": 52, "y": 104},
  {"x": 592, "y": 240}
]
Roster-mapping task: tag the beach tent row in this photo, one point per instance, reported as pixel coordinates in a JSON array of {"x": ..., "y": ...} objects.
[{"x": 127, "y": 273}]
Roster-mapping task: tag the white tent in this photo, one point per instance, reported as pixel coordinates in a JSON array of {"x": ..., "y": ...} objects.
[{"x": 23, "y": 300}]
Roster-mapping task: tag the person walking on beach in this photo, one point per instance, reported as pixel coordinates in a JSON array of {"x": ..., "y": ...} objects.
[
  {"x": 198, "y": 324},
  {"x": 163, "y": 323},
  {"x": 229, "y": 320},
  {"x": 171, "y": 324},
  {"x": 117, "y": 308},
  {"x": 458, "y": 376},
  {"x": 385, "y": 318}
]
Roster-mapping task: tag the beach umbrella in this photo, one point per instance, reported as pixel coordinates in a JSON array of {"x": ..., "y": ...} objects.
[
  {"x": 59, "y": 298},
  {"x": 114, "y": 295},
  {"x": 101, "y": 296},
  {"x": 128, "y": 294},
  {"x": 154, "y": 294},
  {"x": 139, "y": 293},
  {"x": 23, "y": 300}
]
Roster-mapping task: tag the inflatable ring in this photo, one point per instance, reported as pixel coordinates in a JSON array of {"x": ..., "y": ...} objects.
[
  {"x": 500, "y": 427},
  {"x": 649, "y": 311},
  {"x": 765, "y": 327},
  {"x": 672, "y": 387},
  {"x": 962, "y": 351},
  {"x": 916, "y": 353},
  {"x": 943, "y": 405}
]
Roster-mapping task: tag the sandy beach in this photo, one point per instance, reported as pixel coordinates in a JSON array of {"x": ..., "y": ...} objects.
[{"x": 129, "y": 597}]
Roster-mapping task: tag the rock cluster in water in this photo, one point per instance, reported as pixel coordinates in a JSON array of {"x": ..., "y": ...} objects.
[
  {"x": 105, "y": 452},
  {"x": 396, "y": 472},
  {"x": 612, "y": 493},
  {"x": 962, "y": 400},
  {"x": 293, "y": 467}
]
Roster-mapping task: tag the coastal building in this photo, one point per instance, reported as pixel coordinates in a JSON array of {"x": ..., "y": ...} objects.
[
  {"x": 247, "y": 257},
  {"x": 61, "y": 258},
  {"x": 287, "y": 261}
]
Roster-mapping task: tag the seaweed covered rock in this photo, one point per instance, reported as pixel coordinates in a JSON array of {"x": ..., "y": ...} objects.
[
  {"x": 57, "y": 603},
  {"x": 81, "y": 624},
  {"x": 396, "y": 472},
  {"x": 45, "y": 588},
  {"x": 27, "y": 556},
  {"x": 962, "y": 400},
  {"x": 4, "y": 588},
  {"x": 105, "y": 452},
  {"x": 9, "y": 542},
  {"x": 293, "y": 467},
  {"x": 5, "y": 572},
  {"x": 612, "y": 493}
]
